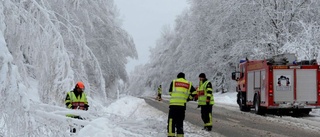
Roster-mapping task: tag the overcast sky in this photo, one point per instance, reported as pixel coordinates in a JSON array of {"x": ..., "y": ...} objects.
[{"x": 144, "y": 19}]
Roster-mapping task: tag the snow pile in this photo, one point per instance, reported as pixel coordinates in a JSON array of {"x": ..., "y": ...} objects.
[
  {"x": 133, "y": 117},
  {"x": 229, "y": 98}
]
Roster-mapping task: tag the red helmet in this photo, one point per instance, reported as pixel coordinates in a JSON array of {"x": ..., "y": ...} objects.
[{"x": 80, "y": 85}]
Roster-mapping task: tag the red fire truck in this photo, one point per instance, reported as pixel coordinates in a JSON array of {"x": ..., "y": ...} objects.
[{"x": 278, "y": 84}]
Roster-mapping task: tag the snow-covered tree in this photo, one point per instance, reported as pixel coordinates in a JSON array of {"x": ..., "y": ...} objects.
[{"x": 45, "y": 48}]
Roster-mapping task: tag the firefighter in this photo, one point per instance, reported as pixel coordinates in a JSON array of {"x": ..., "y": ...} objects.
[
  {"x": 159, "y": 93},
  {"x": 76, "y": 99},
  {"x": 179, "y": 91},
  {"x": 205, "y": 101}
]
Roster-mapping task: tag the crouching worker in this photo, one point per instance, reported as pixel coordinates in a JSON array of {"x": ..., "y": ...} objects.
[{"x": 76, "y": 99}]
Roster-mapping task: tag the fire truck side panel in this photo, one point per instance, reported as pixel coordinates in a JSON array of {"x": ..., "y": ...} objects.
[
  {"x": 318, "y": 80},
  {"x": 283, "y": 86},
  {"x": 250, "y": 85},
  {"x": 306, "y": 86},
  {"x": 263, "y": 92},
  {"x": 257, "y": 80},
  {"x": 269, "y": 87}
]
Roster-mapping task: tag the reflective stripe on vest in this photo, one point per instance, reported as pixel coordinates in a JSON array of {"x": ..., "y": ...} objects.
[
  {"x": 77, "y": 102},
  {"x": 181, "y": 90}
]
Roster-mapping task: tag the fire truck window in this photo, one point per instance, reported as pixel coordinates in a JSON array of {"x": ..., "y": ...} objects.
[
  {"x": 241, "y": 72},
  {"x": 242, "y": 69}
]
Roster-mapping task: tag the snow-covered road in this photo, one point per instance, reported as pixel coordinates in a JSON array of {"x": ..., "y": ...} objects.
[{"x": 229, "y": 121}]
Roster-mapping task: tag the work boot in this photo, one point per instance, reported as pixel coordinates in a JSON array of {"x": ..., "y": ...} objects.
[
  {"x": 204, "y": 128},
  {"x": 73, "y": 130},
  {"x": 207, "y": 128}
]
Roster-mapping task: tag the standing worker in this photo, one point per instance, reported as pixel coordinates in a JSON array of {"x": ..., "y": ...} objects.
[
  {"x": 180, "y": 92},
  {"x": 159, "y": 93},
  {"x": 205, "y": 101},
  {"x": 76, "y": 99}
]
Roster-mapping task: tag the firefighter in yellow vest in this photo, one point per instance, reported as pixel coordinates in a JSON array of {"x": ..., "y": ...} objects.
[
  {"x": 180, "y": 92},
  {"x": 159, "y": 93},
  {"x": 205, "y": 101},
  {"x": 77, "y": 99}
]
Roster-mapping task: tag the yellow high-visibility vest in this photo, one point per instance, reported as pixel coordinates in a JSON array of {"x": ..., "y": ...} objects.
[
  {"x": 76, "y": 102},
  {"x": 180, "y": 92},
  {"x": 159, "y": 90},
  {"x": 203, "y": 94}
]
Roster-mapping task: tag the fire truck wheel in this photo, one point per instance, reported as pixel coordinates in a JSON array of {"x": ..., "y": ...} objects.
[
  {"x": 258, "y": 109},
  {"x": 306, "y": 111},
  {"x": 241, "y": 102},
  {"x": 301, "y": 112}
]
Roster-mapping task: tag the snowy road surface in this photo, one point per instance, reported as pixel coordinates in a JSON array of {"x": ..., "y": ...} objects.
[{"x": 229, "y": 121}]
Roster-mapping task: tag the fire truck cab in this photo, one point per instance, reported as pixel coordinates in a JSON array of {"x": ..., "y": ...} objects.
[{"x": 278, "y": 84}]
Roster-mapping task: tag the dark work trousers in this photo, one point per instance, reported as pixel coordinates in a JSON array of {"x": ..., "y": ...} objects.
[
  {"x": 206, "y": 115},
  {"x": 175, "y": 120},
  {"x": 159, "y": 96}
]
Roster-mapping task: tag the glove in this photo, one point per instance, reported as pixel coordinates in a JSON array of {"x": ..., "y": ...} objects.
[
  {"x": 196, "y": 98},
  {"x": 86, "y": 106},
  {"x": 189, "y": 98},
  {"x": 208, "y": 102}
]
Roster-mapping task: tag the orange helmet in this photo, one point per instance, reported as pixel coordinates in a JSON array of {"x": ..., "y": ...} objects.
[{"x": 80, "y": 85}]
